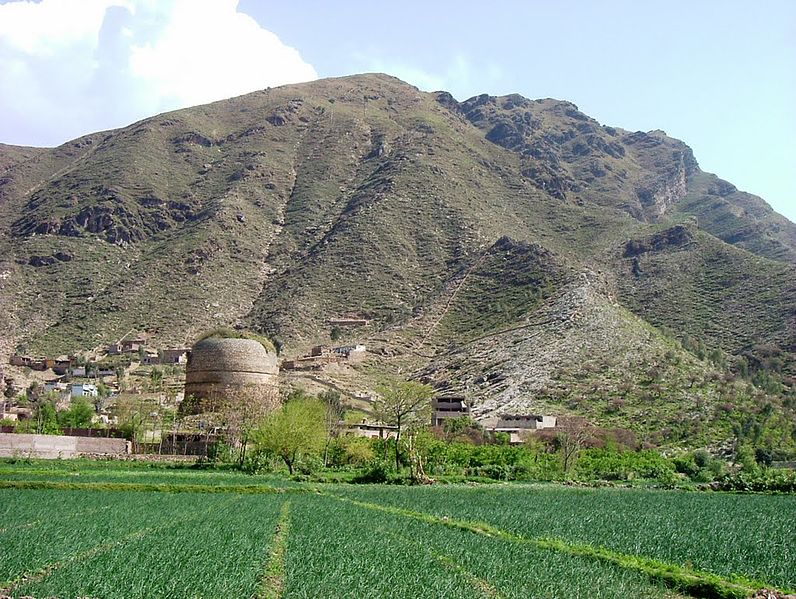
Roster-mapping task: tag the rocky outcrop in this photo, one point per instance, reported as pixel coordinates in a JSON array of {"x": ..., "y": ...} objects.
[
  {"x": 116, "y": 220},
  {"x": 672, "y": 238},
  {"x": 37, "y": 261},
  {"x": 667, "y": 164}
]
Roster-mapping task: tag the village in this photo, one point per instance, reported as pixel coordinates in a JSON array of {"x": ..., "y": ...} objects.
[{"x": 135, "y": 390}]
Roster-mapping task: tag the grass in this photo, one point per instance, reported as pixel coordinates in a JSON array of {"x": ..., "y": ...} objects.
[
  {"x": 142, "y": 487},
  {"x": 140, "y": 473},
  {"x": 207, "y": 538}
]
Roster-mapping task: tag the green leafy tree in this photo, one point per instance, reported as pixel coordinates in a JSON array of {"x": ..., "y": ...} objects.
[
  {"x": 403, "y": 404},
  {"x": 295, "y": 430},
  {"x": 45, "y": 418},
  {"x": 79, "y": 414},
  {"x": 156, "y": 379},
  {"x": 131, "y": 413}
]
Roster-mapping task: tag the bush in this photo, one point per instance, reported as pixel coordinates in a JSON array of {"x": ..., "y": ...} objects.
[
  {"x": 699, "y": 466},
  {"x": 377, "y": 471},
  {"x": 702, "y": 458},
  {"x": 229, "y": 333},
  {"x": 763, "y": 481},
  {"x": 611, "y": 464},
  {"x": 494, "y": 471},
  {"x": 309, "y": 463},
  {"x": 358, "y": 452}
]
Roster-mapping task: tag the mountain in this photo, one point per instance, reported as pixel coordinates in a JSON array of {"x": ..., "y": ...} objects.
[{"x": 514, "y": 250}]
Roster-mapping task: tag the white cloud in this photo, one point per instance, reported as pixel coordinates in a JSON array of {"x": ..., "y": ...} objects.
[
  {"x": 208, "y": 51},
  {"x": 42, "y": 28},
  {"x": 68, "y": 67}
]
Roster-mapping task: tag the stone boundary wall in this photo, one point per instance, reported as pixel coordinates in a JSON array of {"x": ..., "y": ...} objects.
[{"x": 59, "y": 446}]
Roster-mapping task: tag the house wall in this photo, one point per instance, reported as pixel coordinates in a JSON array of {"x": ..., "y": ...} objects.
[
  {"x": 56, "y": 446},
  {"x": 370, "y": 432},
  {"x": 86, "y": 390},
  {"x": 357, "y": 355},
  {"x": 547, "y": 422}
]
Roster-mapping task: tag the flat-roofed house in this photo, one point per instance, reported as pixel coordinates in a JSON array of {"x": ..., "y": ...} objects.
[
  {"x": 519, "y": 425},
  {"x": 446, "y": 407},
  {"x": 84, "y": 390},
  {"x": 371, "y": 430},
  {"x": 174, "y": 355}
]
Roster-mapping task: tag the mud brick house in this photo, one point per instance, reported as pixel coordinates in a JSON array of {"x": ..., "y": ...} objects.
[
  {"x": 519, "y": 425},
  {"x": 445, "y": 407}
]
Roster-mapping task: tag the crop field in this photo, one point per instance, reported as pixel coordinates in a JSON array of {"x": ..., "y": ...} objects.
[
  {"x": 752, "y": 535},
  {"x": 127, "y": 532}
]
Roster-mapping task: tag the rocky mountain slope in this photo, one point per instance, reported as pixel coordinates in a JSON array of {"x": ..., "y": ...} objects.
[{"x": 515, "y": 250}]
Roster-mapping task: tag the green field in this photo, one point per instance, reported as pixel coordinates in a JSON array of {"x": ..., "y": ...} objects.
[{"x": 76, "y": 529}]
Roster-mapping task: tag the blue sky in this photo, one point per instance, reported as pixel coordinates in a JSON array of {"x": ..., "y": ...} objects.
[{"x": 718, "y": 74}]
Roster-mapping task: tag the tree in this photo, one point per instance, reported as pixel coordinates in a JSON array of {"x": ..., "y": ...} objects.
[
  {"x": 296, "y": 429},
  {"x": 242, "y": 410},
  {"x": 403, "y": 404},
  {"x": 101, "y": 399},
  {"x": 572, "y": 434},
  {"x": 464, "y": 429},
  {"x": 119, "y": 372},
  {"x": 79, "y": 415},
  {"x": 156, "y": 379},
  {"x": 334, "y": 414},
  {"x": 131, "y": 413},
  {"x": 45, "y": 415}
]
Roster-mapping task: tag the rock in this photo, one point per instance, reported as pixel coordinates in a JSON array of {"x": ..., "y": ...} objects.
[
  {"x": 37, "y": 261},
  {"x": 722, "y": 188},
  {"x": 276, "y": 120},
  {"x": 507, "y": 135},
  {"x": 675, "y": 237}
]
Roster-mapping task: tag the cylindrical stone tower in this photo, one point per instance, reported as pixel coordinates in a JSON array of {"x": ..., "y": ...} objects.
[{"x": 221, "y": 369}]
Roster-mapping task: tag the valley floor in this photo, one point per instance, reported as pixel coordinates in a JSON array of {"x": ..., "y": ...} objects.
[{"x": 112, "y": 529}]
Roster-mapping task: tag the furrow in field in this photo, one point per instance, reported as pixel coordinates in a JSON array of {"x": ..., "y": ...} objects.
[
  {"x": 726, "y": 534},
  {"x": 478, "y": 584},
  {"x": 219, "y": 553},
  {"x": 42, "y": 573},
  {"x": 272, "y": 584}
]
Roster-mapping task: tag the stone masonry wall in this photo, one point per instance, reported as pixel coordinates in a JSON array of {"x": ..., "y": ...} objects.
[{"x": 57, "y": 446}]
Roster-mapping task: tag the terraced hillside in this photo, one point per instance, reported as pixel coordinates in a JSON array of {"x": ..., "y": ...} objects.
[{"x": 513, "y": 249}]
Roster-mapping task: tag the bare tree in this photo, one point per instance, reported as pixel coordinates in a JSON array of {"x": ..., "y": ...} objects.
[
  {"x": 334, "y": 414},
  {"x": 417, "y": 449},
  {"x": 572, "y": 434},
  {"x": 403, "y": 403},
  {"x": 242, "y": 410}
]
